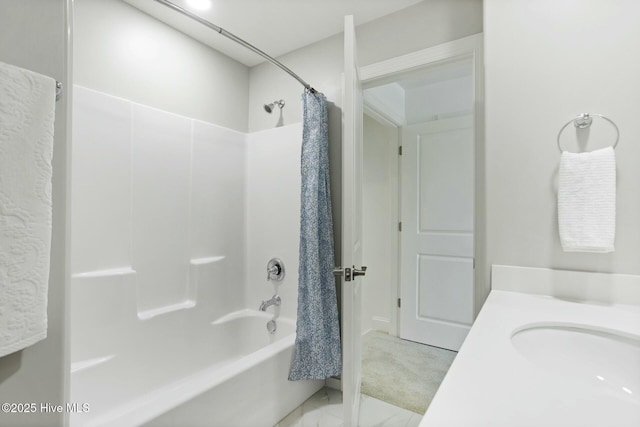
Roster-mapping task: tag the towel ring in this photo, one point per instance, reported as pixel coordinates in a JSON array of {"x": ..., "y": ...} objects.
[
  {"x": 58, "y": 90},
  {"x": 583, "y": 121}
]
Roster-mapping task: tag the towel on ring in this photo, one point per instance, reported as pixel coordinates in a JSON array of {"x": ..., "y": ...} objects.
[
  {"x": 27, "y": 108},
  {"x": 587, "y": 201}
]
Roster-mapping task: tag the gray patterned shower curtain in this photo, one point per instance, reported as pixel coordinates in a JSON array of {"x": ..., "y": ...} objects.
[{"x": 317, "y": 352}]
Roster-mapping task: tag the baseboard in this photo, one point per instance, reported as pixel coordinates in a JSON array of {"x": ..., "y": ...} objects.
[{"x": 382, "y": 324}]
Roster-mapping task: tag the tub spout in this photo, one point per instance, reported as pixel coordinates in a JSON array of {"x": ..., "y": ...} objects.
[{"x": 275, "y": 300}]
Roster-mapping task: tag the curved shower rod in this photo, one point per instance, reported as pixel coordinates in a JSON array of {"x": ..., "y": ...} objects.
[{"x": 236, "y": 39}]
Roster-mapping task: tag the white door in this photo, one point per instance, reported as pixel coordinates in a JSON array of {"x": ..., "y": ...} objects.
[
  {"x": 352, "y": 109},
  {"x": 438, "y": 181}
]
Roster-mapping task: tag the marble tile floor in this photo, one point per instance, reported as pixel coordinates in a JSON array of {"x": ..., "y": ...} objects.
[{"x": 324, "y": 409}]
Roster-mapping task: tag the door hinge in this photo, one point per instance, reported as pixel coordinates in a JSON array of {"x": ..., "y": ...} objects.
[
  {"x": 400, "y": 226},
  {"x": 400, "y": 150},
  {"x": 399, "y": 303}
]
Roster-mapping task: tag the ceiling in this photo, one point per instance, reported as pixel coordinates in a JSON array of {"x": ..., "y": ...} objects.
[{"x": 274, "y": 26}]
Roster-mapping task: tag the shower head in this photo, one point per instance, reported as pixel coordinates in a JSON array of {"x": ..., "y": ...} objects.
[{"x": 269, "y": 107}]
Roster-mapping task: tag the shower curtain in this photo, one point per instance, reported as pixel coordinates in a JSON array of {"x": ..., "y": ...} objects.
[{"x": 317, "y": 349}]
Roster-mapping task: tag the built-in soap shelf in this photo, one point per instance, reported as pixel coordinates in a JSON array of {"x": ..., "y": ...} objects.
[
  {"x": 90, "y": 363},
  {"x": 110, "y": 272},
  {"x": 148, "y": 314},
  {"x": 129, "y": 286},
  {"x": 192, "y": 287},
  {"x": 206, "y": 260}
]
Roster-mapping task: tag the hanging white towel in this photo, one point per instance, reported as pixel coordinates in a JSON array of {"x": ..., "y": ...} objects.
[
  {"x": 587, "y": 201},
  {"x": 27, "y": 108}
]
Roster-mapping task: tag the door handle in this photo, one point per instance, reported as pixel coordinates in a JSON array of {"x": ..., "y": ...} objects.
[
  {"x": 349, "y": 273},
  {"x": 360, "y": 272}
]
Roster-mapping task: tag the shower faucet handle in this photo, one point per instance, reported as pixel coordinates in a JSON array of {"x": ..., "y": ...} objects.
[{"x": 275, "y": 270}]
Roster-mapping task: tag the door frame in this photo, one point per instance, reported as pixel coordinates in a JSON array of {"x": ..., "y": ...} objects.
[{"x": 387, "y": 71}]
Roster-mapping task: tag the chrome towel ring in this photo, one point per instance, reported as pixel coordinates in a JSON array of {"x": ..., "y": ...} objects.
[{"x": 584, "y": 120}]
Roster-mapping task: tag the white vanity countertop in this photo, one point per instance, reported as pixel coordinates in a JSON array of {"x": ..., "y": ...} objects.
[{"x": 493, "y": 384}]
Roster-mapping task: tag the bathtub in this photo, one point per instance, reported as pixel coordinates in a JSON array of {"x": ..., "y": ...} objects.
[{"x": 180, "y": 368}]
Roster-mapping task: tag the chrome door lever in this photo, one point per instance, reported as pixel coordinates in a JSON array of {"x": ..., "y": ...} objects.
[{"x": 360, "y": 272}]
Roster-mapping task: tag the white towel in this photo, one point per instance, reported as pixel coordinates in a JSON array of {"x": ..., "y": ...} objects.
[
  {"x": 27, "y": 108},
  {"x": 587, "y": 201}
]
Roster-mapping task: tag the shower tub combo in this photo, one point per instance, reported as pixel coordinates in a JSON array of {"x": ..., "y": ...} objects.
[
  {"x": 146, "y": 347},
  {"x": 173, "y": 335},
  {"x": 178, "y": 368}
]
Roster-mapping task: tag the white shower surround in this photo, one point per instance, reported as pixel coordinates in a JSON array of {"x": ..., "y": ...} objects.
[{"x": 173, "y": 222}]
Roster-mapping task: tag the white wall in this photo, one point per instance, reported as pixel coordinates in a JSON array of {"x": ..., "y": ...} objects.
[
  {"x": 546, "y": 62},
  {"x": 377, "y": 205},
  {"x": 273, "y": 214},
  {"x": 439, "y": 100},
  {"x": 33, "y": 35},
  {"x": 425, "y": 24},
  {"x": 248, "y": 212},
  {"x": 156, "y": 195},
  {"x": 122, "y": 51},
  {"x": 388, "y": 99},
  {"x": 418, "y": 104}
]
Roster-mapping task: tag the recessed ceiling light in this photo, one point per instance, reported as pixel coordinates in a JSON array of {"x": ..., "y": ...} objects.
[{"x": 199, "y": 4}]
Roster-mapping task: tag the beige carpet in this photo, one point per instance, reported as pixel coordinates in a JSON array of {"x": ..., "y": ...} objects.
[{"x": 403, "y": 373}]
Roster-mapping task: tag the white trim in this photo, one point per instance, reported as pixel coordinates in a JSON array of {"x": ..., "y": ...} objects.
[
  {"x": 470, "y": 45},
  {"x": 394, "y": 219}
]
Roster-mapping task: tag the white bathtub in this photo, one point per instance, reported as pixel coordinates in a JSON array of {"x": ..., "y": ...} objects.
[{"x": 180, "y": 368}]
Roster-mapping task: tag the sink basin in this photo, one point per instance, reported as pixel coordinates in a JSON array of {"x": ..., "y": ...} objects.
[{"x": 606, "y": 359}]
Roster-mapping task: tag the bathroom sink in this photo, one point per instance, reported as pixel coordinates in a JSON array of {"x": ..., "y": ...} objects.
[{"x": 606, "y": 359}]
